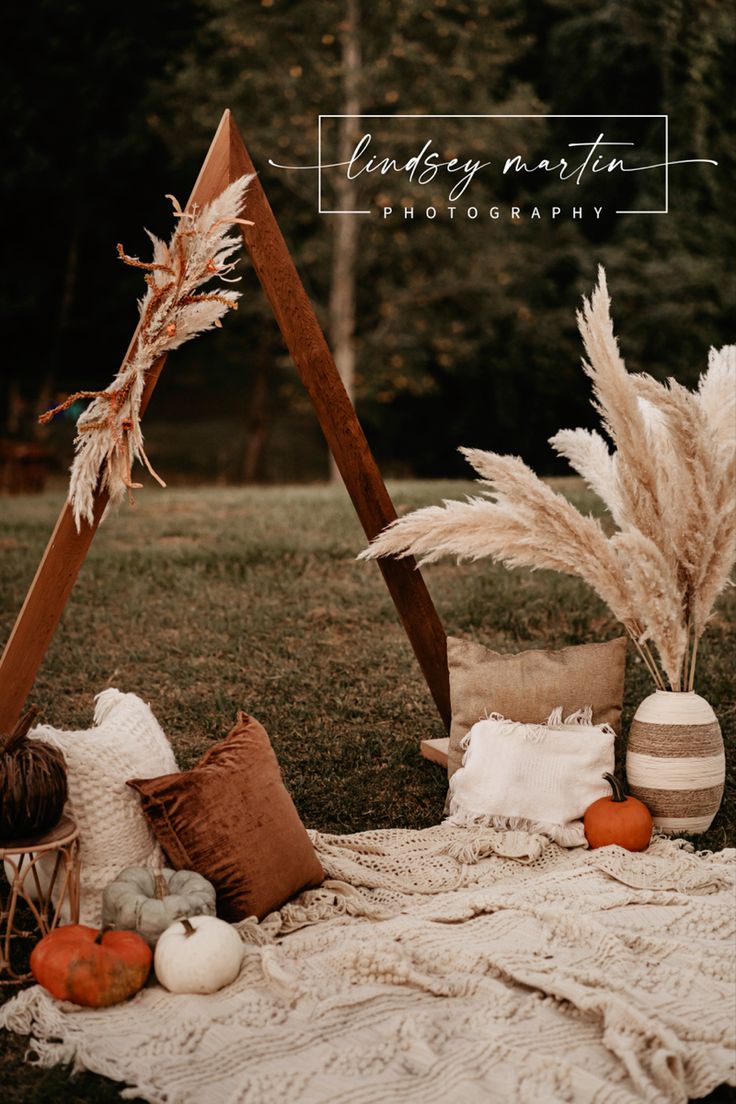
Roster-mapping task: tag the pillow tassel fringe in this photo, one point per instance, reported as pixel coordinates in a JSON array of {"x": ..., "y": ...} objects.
[{"x": 566, "y": 836}]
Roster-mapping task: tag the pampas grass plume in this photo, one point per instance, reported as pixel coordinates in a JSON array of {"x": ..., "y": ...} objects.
[{"x": 669, "y": 483}]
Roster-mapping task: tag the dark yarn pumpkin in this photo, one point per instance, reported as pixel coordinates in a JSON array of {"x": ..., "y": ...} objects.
[{"x": 32, "y": 783}]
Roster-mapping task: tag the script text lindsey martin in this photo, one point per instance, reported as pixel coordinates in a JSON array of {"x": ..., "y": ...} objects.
[
  {"x": 425, "y": 166},
  {"x": 455, "y": 175}
]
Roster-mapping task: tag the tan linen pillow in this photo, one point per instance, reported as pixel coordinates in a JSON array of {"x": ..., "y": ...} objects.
[
  {"x": 527, "y": 686},
  {"x": 232, "y": 820}
]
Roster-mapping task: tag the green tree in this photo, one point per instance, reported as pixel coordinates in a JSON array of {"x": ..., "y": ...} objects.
[
  {"x": 671, "y": 274},
  {"x": 411, "y": 290},
  {"x": 455, "y": 333},
  {"x": 77, "y": 80}
]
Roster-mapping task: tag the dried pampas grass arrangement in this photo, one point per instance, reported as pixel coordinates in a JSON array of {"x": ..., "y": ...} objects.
[
  {"x": 669, "y": 485},
  {"x": 109, "y": 438}
]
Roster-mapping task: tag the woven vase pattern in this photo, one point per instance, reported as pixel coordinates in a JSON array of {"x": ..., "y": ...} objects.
[{"x": 675, "y": 761}]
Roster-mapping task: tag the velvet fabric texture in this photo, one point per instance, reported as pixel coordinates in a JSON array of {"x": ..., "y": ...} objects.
[
  {"x": 527, "y": 686},
  {"x": 231, "y": 819}
]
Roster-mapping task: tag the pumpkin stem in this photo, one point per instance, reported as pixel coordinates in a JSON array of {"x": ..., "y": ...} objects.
[
  {"x": 22, "y": 727},
  {"x": 616, "y": 786},
  {"x": 161, "y": 888},
  {"x": 101, "y": 932},
  {"x": 189, "y": 928}
]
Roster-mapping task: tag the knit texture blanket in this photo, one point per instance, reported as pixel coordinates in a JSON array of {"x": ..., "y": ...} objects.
[{"x": 459, "y": 964}]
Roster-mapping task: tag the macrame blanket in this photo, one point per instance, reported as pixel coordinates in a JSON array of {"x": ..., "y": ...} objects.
[{"x": 455, "y": 964}]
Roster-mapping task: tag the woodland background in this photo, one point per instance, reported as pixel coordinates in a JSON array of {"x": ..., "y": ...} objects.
[{"x": 465, "y": 332}]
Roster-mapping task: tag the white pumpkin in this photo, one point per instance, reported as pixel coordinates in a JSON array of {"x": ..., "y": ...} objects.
[{"x": 200, "y": 954}]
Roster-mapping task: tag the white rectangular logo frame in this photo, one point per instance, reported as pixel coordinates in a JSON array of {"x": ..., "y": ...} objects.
[{"x": 666, "y": 118}]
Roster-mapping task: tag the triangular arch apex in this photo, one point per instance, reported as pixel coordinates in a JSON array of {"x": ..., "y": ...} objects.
[{"x": 226, "y": 160}]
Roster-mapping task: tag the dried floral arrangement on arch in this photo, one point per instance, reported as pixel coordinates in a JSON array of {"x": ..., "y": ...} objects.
[
  {"x": 669, "y": 485},
  {"x": 109, "y": 438}
]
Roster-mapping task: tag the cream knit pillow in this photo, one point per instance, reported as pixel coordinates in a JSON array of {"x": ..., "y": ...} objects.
[
  {"x": 536, "y": 777},
  {"x": 126, "y": 742}
]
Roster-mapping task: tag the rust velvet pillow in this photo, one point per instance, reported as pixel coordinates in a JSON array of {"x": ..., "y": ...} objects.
[{"x": 231, "y": 819}]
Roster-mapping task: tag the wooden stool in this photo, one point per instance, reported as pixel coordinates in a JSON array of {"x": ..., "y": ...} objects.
[
  {"x": 35, "y": 887},
  {"x": 436, "y": 751}
]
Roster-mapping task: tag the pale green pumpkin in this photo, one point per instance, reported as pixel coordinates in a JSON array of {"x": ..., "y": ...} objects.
[{"x": 149, "y": 901}]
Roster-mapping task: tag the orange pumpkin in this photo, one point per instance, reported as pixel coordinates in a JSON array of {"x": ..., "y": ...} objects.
[
  {"x": 618, "y": 819},
  {"x": 90, "y": 967}
]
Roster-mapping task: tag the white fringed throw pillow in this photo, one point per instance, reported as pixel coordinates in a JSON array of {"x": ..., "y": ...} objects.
[
  {"x": 126, "y": 742},
  {"x": 535, "y": 777}
]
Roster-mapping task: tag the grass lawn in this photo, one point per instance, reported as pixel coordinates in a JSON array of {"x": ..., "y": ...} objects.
[{"x": 206, "y": 601}]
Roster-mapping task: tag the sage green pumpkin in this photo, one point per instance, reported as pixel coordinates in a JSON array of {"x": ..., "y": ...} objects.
[{"x": 149, "y": 901}]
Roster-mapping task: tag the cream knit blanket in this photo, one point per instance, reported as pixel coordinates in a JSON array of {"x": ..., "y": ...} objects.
[{"x": 452, "y": 965}]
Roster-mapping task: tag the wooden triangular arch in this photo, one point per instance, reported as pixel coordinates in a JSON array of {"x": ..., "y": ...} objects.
[{"x": 227, "y": 160}]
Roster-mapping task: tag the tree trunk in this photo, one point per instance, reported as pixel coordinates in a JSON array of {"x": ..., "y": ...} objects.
[
  {"x": 346, "y": 227},
  {"x": 258, "y": 416}
]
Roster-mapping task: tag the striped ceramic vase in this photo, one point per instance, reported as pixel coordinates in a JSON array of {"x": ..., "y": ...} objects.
[{"x": 675, "y": 762}]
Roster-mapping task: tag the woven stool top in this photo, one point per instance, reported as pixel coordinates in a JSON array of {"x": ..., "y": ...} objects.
[{"x": 64, "y": 832}]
